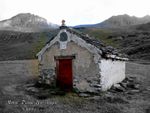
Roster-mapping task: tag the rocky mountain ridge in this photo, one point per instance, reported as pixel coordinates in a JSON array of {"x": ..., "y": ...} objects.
[
  {"x": 119, "y": 21},
  {"x": 26, "y": 22}
]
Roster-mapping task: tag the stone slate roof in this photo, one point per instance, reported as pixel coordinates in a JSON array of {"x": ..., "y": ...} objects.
[{"x": 107, "y": 51}]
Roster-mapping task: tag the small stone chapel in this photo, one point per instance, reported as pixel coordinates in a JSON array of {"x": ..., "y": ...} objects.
[{"x": 72, "y": 59}]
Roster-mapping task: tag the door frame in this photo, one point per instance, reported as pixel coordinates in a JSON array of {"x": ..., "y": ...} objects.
[
  {"x": 57, "y": 58},
  {"x": 64, "y": 57}
]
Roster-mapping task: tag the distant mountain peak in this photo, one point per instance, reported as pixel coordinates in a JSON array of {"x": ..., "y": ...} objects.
[
  {"x": 147, "y": 16},
  {"x": 118, "y": 21},
  {"x": 28, "y": 16},
  {"x": 26, "y": 22},
  {"x": 124, "y": 20}
]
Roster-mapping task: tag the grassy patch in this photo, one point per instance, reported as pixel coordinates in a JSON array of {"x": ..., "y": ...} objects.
[
  {"x": 102, "y": 35},
  {"x": 38, "y": 45},
  {"x": 71, "y": 99}
]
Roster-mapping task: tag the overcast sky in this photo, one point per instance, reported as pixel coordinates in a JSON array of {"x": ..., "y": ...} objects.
[{"x": 75, "y": 12}]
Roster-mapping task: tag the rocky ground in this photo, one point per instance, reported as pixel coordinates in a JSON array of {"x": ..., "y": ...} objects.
[{"x": 17, "y": 95}]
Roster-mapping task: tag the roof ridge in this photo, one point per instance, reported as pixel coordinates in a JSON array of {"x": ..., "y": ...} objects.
[{"x": 107, "y": 51}]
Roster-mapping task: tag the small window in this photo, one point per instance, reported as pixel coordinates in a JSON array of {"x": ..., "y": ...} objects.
[{"x": 63, "y": 37}]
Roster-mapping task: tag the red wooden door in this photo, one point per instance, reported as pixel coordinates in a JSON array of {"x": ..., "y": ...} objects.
[{"x": 64, "y": 74}]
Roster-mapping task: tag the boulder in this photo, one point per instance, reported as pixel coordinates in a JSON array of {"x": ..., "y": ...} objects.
[
  {"x": 131, "y": 79},
  {"x": 84, "y": 95},
  {"x": 32, "y": 90},
  {"x": 136, "y": 86},
  {"x": 133, "y": 85},
  {"x": 123, "y": 84},
  {"x": 133, "y": 91},
  {"x": 148, "y": 88},
  {"x": 118, "y": 88}
]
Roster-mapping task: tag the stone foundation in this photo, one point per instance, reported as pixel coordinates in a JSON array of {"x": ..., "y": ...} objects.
[{"x": 47, "y": 76}]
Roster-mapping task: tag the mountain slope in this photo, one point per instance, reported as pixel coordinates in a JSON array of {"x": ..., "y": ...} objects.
[
  {"x": 26, "y": 22},
  {"x": 123, "y": 20},
  {"x": 143, "y": 27},
  {"x": 19, "y": 45},
  {"x": 119, "y": 21},
  {"x": 134, "y": 43}
]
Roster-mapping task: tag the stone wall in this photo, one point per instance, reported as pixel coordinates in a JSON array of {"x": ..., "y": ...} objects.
[
  {"x": 112, "y": 72},
  {"x": 85, "y": 70}
]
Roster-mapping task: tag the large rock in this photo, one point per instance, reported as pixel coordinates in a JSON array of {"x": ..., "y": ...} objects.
[
  {"x": 123, "y": 84},
  {"x": 133, "y": 85},
  {"x": 129, "y": 85},
  {"x": 84, "y": 95},
  {"x": 118, "y": 88},
  {"x": 32, "y": 90},
  {"x": 131, "y": 92}
]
